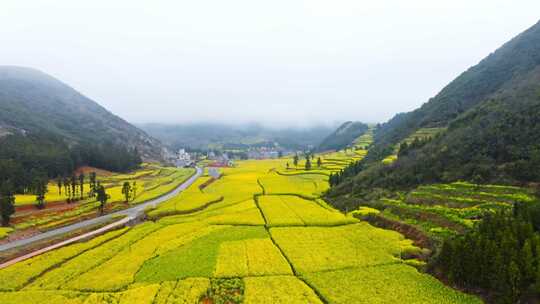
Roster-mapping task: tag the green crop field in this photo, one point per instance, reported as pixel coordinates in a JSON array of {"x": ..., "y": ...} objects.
[{"x": 259, "y": 234}]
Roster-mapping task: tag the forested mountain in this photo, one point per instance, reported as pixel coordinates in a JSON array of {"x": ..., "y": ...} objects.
[
  {"x": 222, "y": 136},
  {"x": 491, "y": 118},
  {"x": 47, "y": 126},
  {"x": 343, "y": 136}
]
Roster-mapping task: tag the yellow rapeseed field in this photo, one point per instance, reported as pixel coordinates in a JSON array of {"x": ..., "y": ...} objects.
[{"x": 261, "y": 222}]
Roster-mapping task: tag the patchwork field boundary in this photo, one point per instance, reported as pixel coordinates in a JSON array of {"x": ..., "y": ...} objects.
[
  {"x": 183, "y": 212},
  {"x": 301, "y": 173},
  {"x": 131, "y": 242},
  {"x": 256, "y": 199}
]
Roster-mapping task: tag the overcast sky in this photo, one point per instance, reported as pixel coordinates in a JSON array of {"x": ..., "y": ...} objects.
[{"x": 276, "y": 62}]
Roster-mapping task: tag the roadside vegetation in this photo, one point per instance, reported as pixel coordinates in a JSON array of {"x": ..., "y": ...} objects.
[{"x": 86, "y": 195}]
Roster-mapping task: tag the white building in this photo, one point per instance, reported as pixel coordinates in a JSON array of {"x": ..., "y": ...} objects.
[{"x": 183, "y": 159}]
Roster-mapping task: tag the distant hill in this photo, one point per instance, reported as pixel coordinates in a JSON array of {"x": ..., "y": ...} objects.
[
  {"x": 222, "y": 136},
  {"x": 489, "y": 119},
  {"x": 32, "y": 101},
  {"x": 48, "y": 126},
  {"x": 343, "y": 136}
]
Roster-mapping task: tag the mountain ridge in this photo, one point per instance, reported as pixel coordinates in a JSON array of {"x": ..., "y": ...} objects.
[
  {"x": 491, "y": 123},
  {"x": 32, "y": 101},
  {"x": 471, "y": 87}
]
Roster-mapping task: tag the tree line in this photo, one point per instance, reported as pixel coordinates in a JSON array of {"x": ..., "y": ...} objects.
[
  {"x": 23, "y": 157},
  {"x": 501, "y": 255},
  {"x": 344, "y": 174},
  {"x": 73, "y": 187},
  {"x": 310, "y": 157}
]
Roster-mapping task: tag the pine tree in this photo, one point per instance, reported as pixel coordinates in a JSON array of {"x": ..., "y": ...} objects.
[
  {"x": 102, "y": 197},
  {"x": 295, "y": 160},
  {"x": 59, "y": 184},
  {"x": 73, "y": 184},
  {"x": 66, "y": 186},
  {"x": 7, "y": 202},
  {"x": 126, "y": 190},
  {"x": 92, "y": 184},
  {"x": 41, "y": 190},
  {"x": 81, "y": 184},
  {"x": 527, "y": 262},
  {"x": 134, "y": 190},
  {"x": 308, "y": 164},
  {"x": 513, "y": 283},
  {"x": 67, "y": 189}
]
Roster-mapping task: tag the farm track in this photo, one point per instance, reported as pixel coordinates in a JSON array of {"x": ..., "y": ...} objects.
[{"x": 129, "y": 213}]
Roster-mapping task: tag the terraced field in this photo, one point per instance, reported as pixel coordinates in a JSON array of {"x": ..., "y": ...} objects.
[
  {"x": 422, "y": 133},
  {"x": 444, "y": 209},
  {"x": 256, "y": 235}
]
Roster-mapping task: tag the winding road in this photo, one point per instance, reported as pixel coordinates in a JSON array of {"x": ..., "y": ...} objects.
[{"x": 130, "y": 213}]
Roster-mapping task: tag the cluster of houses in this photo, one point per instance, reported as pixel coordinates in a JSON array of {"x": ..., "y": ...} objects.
[
  {"x": 262, "y": 154},
  {"x": 184, "y": 159},
  {"x": 221, "y": 160}
]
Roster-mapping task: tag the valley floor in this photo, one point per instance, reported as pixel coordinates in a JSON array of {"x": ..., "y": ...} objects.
[{"x": 259, "y": 234}]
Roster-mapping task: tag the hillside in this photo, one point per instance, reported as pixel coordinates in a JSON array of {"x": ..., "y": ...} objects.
[
  {"x": 47, "y": 126},
  {"x": 222, "y": 136},
  {"x": 460, "y": 176},
  {"x": 486, "y": 121},
  {"x": 496, "y": 74},
  {"x": 36, "y": 102},
  {"x": 342, "y": 137}
]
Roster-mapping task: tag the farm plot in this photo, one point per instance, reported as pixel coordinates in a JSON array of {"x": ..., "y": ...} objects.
[
  {"x": 278, "y": 289},
  {"x": 394, "y": 283},
  {"x": 462, "y": 194},
  {"x": 16, "y": 276},
  {"x": 187, "y": 201},
  {"x": 53, "y": 297},
  {"x": 119, "y": 271},
  {"x": 183, "y": 291},
  {"x": 308, "y": 185},
  {"x": 288, "y": 210},
  {"x": 73, "y": 268},
  {"x": 142, "y": 294},
  {"x": 313, "y": 249},
  {"x": 252, "y": 257},
  {"x": 196, "y": 259},
  {"x": 243, "y": 213},
  {"x": 442, "y": 210}
]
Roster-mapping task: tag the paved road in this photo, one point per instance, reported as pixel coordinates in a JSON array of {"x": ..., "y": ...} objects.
[
  {"x": 130, "y": 213},
  {"x": 66, "y": 242}
]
